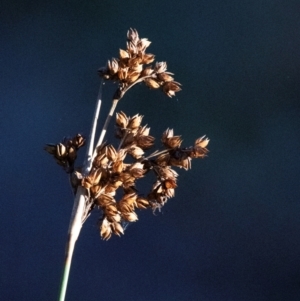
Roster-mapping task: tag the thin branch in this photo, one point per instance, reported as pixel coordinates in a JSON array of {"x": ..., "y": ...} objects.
[
  {"x": 118, "y": 95},
  {"x": 90, "y": 148},
  {"x": 108, "y": 118}
]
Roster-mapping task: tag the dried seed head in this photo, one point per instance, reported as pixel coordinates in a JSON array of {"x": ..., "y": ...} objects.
[
  {"x": 151, "y": 83},
  {"x": 160, "y": 67},
  {"x": 202, "y": 142},
  {"x": 105, "y": 229},
  {"x": 104, "y": 199},
  {"x": 117, "y": 228},
  {"x": 172, "y": 142},
  {"x": 145, "y": 142},
  {"x": 182, "y": 163},
  {"x": 132, "y": 35},
  {"x": 122, "y": 120},
  {"x": 148, "y": 58},
  {"x": 95, "y": 190},
  {"x": 78, "y": 141},
  {"x": 136, "y": 152},
  {"x": 169, "y": 184},
  {"x": 147, "y": 71},
  {"x": 117, "y": 167},
  {"x": 198, "y": 152},
  {"x": 142, "y": 203},
  {"x": 169, "y": 140},
  {"x": 129, "y": 139},
  {"x": 113, "y": 66},
  {"x": 133, "y": 76},
  {"x": 170, "y": 88},
  {"x": 122, "y": 74},
  {"x": 143, "y": 131},
  {"x": 130, "y": 216},
  {"x": 61, "y": 150},
  {"x": 100, "y": 160},
  {"x": 137, "y": 170},
  {"x": 92, "y": 179},
  {"x": 163, "y": 159},
  {"x": 143, "y": 44},
  {"x": 135, "y": 121},
  {"x": 131, "y": 48},
  {"x": 165, "y": 77},
  {"x": 136, "y": 68},
  {"x": 111, "y": 153},
  {"x": 124, "y": 54},
  {"x": 72, "y": 154}
]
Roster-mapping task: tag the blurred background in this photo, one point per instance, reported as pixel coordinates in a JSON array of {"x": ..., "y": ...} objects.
[{"x": 232, "y": 231}]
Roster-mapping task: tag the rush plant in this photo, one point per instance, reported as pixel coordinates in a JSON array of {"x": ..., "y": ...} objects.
[{"x": 106, "y": 168}]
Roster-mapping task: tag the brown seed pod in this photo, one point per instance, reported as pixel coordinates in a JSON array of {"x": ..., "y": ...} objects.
[
  {"x": 113, "y": 66},
  {"x": 104, "y": 199},
  {"x": 124, "y": 54},
  {"x": 147, "y": 71},
  {"x": 136, "y": 152},
  {"x": 132, "y": 35},
  {"x": 202, "y": 142},
  {"x": 105, "y": 229},
  {"x": 129, "y": 216},
  {"x": 78, "y": 141},
  {"x": 72, "y": 154},
  {"x": 148, "y": 58},
  {"x": 117, "y": 166},
  {"x": 117, "y": 228},
  {"x": 142, "y": 203},
  {"x": 145, "y": 142},
  {"x": 152, "y": 83},
  {"x": 135, "y": 121},
  {"x": 111, "y": 153},
  {"x": 61, "y": 150},
  {"x": 160, "y": 67},
  {"x": 122, "y": 120},
  {"x": 170, "y": 88},
  {"x": 142, "y": 44},
  {"x": 165, "y": 76}
]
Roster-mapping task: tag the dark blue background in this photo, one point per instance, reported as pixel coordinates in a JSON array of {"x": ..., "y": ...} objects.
[{"x": 232, "y": 231}]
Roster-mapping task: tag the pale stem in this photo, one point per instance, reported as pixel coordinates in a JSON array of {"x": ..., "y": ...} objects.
[
  {"x": 157, "y": 153},
  {"x": 112, "y": 109},
  {"x": 90, "y": 148},
  {"x": 73, "y": 233},
  {"x": 79, "y": 203},
  {"x": 108, "y": 118}
]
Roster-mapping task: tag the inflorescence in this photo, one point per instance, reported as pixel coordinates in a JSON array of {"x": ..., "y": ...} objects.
[{"x": 115, "y": 171}]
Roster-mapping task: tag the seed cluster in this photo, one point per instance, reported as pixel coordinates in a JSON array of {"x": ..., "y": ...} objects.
[
  {"x": 132, "y": 67},
  {"x": 110, "y": 172},
  {"x": 65, "y": 153},
  {"x": 111, "y": 182}
]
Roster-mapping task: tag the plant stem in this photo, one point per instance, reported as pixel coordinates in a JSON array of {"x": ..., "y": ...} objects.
[
  {"x": 108, "y": 118},
  {"x": 90, "y": 148},
  {"x": 73, "y": 233},
  {"x": 80, "y": 202}
]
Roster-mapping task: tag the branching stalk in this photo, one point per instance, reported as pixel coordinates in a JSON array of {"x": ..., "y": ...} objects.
[{"x": 79, "y": 206}]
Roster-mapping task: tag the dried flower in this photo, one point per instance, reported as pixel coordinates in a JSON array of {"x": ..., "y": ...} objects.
[{"x": 111, "y": 171}]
